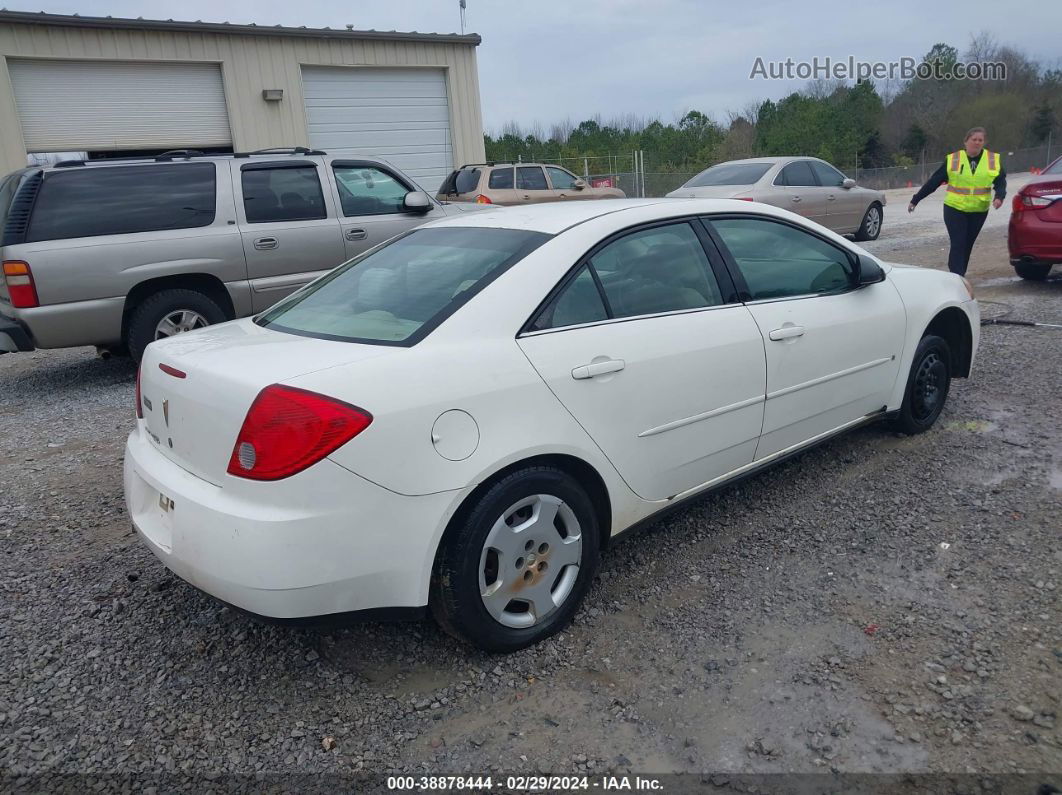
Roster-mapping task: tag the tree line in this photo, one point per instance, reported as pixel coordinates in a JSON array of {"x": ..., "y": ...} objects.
[{"x": 864, "y": 125}]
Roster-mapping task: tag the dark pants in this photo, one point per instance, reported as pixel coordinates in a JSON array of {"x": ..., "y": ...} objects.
[{"x": 963, "y": 229}]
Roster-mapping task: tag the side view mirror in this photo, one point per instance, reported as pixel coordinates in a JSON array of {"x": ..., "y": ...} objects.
[
  {"x": 579, "y": 184},
  {"x": 416, "y": 202},
  {"x": 848, "y": 183},
  {"x": 868, "y": 271}
]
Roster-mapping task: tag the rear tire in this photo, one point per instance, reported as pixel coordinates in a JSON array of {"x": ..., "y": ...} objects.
[
  {"x": 516, "y": 567},
  {"x": 169, "y": 312},
  {"x": 870, "y": 228},
  {"x": 1035, "y": 272},
  {"x": 927, "y": 386}
]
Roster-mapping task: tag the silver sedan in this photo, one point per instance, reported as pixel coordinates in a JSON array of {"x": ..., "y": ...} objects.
[{"x": 805, "y": 185}]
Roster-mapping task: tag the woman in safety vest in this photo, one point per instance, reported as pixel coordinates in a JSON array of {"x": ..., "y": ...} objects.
[{"x": 971, "y": 173}]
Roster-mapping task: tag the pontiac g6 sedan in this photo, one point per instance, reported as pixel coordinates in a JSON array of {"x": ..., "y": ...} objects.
[{"x": 461, "y": 419}]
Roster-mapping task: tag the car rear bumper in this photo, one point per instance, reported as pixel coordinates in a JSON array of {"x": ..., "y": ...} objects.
[
  {"x": 1034, "y": 241},
  {"x": 321, "y": 543},
  {"x": 13, "y": 337}
]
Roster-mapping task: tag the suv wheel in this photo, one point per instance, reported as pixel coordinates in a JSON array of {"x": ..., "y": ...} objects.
[
  {"x": 517, "y": 567},
  {"x": 167, "y": 313},
  {"x": 871, "y": 226}
]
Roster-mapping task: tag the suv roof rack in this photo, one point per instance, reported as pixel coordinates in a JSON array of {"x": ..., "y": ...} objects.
[
  {"x": 281, "y": 150},
  {"x": 473, "y": 165},
  {"x": 186, "y": 154},
  {"x": 174, "y": 154}
]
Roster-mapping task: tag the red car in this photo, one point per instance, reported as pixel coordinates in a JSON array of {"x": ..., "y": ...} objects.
[{"x": 1035, "y": 233}]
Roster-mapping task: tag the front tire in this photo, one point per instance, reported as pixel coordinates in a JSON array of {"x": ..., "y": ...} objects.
[
  {"x": 169, "y": 312},
  {"x": 516, "y": 567},
  {"x": 870, "y": 228},
  {"x": 1035, "y": 272},
  {"x": 927, "y": 386}
]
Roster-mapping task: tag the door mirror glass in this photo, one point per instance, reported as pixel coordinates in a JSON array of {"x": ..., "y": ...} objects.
[
  {"x": 869, "y": 271},
  {"x": 416, "y": 202},
  {"x": 848, "y": 183}
]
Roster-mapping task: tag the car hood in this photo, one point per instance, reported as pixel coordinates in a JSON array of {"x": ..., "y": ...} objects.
[{"x": 460, "y": 208}]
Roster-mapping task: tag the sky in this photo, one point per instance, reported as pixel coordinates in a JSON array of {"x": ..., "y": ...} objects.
[{"x": 546, "y": 61}]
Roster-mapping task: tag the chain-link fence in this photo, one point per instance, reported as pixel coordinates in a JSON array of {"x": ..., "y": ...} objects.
[{"x": 640, "y": 173}]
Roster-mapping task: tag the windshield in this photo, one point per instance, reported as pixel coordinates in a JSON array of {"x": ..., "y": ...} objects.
[
  {"x": 396, "y": 294},
  {"x": 729, "y": 174}
]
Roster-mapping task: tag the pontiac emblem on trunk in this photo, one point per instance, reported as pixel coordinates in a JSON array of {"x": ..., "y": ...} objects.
[{"x": 166, "y": 412}]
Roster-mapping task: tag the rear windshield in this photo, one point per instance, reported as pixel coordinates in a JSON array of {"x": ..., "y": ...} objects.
[
  {"x": 98, "y": 200},
  {"x": 396, "y": 294},
  {"x": 729, "y": 174},
  {"x": 463, "y": 180}
]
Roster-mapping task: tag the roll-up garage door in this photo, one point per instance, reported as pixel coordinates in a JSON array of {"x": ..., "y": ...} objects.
[
  {"x": 107, "y": 105},
  {"x": 400, "y": 115}
]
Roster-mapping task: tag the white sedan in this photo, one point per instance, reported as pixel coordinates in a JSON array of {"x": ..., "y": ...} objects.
[{"x": 461, "y": 419}]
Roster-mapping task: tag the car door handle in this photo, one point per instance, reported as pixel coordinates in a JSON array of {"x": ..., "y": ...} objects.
[
  {"x": 598, "y": 368},
  {"x": 831, "y": 197},
  {"x": 796, "y": 198},
  {"x": 264, "y": 243},
  {"x": 786, "y": 333},
  {"x": 356, "y": 234}
]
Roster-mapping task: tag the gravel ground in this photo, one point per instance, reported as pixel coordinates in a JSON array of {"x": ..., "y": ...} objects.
[{"x": 879, "y": 604}]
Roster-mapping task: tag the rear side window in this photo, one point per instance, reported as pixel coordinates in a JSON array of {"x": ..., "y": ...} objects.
[
  {"x": 531, "y": 178},
  {"x": 501, "y": 179},
  {"x": 797, "y": 175},
  {"x": 92, "y": 201},
  {"x": 398, "y": 293},
  {"x": 282, "y": 193}
]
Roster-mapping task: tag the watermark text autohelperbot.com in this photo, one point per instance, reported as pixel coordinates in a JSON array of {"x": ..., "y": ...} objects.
[{"x": 851, "y": 68}]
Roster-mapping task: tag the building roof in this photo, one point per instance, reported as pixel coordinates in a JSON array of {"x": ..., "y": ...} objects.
[{"x": 77, "y": 21}]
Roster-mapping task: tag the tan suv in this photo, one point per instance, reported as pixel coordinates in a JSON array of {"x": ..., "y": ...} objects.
[{"x": 519, "y": 183}]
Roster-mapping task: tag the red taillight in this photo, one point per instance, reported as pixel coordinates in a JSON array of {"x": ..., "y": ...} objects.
[
  {"x": 744, "y": 198},
  {"x": 139, "y": 404},
  {"x": 481, "y": 199},
  {"x": 1017, "y": 205},
  {"x": 287, "y": 430},
  {"x": 172, "y": 371},
  {"x": 20, "y": 287}
]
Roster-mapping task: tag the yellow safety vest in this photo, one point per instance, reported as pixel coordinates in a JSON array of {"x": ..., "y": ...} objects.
[{"x": 969, "y": 190}]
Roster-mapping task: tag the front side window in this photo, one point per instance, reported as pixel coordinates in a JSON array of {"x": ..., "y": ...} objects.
[
  {"x": 561, "y": 179},
  {"x": 501, "y": 178},
  {"x": 797, "y": 175},
  {"x": 398, "y": 293},
  {"x": 98, "y": 200},
  {"x": 282, "y": 193},
  {"x": 364, "y": 190},
  {"x": 661, "y": 269},
  {"x": 530, "y": 178},
  {"x": 829, "y": 177},
  {"x": 779, "y": 261}
]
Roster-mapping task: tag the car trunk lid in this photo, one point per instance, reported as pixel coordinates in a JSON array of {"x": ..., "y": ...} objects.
[{"x": 196, "y": 388}]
